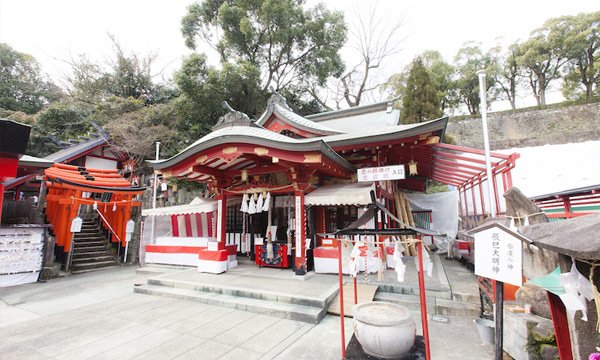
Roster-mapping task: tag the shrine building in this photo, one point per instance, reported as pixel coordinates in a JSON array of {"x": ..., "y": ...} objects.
[{"x": 284, "y": 178}]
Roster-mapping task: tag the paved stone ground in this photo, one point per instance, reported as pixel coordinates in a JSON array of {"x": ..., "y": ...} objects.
[{"x": 96, "y": 316}]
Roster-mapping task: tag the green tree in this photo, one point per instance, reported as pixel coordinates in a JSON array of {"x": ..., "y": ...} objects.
[
  {"x": 543, "y": 55},
  {"x": 441, "y": 73},
  {"x": 508, "y": 75},
  {"x": 582, "y": 43},
  {"x": 420, "y": 101},
  {"x": 204, "y": 88},
  {"x": 468, "y": 61},
  {"x": 22, "y": 85},
  {"x": 123, "y": 75},
  {"x": 64, "y": 120},
  {"x": 287, "y": 43},
  {"x": 139, "y": 126}
]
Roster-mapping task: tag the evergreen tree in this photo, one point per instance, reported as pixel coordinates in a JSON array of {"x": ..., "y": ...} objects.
[{"x": 420, "y": 101}]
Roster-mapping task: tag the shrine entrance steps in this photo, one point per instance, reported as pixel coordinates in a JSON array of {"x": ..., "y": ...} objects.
[
  {"x": 91, "y": 249},
  {"x": 452, "y": 289},
  {"x": 271, "y": 292}
]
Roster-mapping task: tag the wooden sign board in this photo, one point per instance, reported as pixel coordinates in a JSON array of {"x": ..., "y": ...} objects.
[
  {"x": 383, "y": 173},
  {"x": 498, "y": 255}
]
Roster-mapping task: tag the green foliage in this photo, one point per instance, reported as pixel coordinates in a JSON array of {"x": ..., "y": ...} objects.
[
  {"x": 125, "y": 75},
  {"x": 468, "y": 61},
  {"x": 289, "y": 44},
  {"x": 441, "y": 73},
  {"x": 543, "y": 55},
  {"x": 441, "y": 76},
  {"x": 204, "y": 88},
  {"x": 22, "y": 86},
  {"x": 436, "y": 187},
  {"x": 64, "y": 120},
  {"x": 137, "y": 128},
  {"x": 508, "y": 72},
  {"x": 39, "y": 144},
  {"x": 582, "y": 40},
  {"x": 420, "y": 101}
]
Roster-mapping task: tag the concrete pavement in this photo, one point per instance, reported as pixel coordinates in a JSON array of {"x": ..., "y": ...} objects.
[{"x": 96, "y": 316}]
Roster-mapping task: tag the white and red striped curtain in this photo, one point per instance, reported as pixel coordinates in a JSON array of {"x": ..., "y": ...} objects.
[{"x": 194, "y": 225}]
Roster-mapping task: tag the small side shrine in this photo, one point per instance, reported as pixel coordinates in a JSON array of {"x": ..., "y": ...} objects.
[{"x": 70, "y": 189}]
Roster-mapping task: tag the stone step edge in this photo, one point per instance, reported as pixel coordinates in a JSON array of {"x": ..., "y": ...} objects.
[
  {"x": 82, "y": 271},
  {"x": 435, "y": 306},
  {"x": 91, "y": 264},
  {"x": 320, "y": 302},
  {"x": 413, "y": 290},
  {"x": 93, "y": 259},
  {"x": 302, "y": 313}
]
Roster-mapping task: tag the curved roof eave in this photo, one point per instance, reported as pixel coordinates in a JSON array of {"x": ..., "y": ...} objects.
[
  {"x": 401, "y": 131},
  {"x": 291, "y": 118},
  {"x": 295, "y": 146}
]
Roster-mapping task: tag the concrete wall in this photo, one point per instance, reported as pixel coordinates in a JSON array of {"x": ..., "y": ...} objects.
[{"x": 575, "y": 123}]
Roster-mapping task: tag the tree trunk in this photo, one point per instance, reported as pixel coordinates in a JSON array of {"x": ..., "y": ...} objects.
[{"x": 589, "y": 91}]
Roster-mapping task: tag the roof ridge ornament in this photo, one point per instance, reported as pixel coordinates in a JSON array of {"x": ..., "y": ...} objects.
[
  {"x": 277, "y": 99},
  {"x": 231, "y": 118}
]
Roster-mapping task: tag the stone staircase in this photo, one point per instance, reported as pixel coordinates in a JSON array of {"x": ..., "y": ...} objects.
[
  {"x": 287, "y": 306},
  {"x": 460, "y": 297},
  {"x": 91, "y": 249}
]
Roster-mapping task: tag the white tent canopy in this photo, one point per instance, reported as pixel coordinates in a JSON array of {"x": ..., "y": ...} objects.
[
  {"x": 343, "y": 194},
  {"x": 196, "y": 206}
]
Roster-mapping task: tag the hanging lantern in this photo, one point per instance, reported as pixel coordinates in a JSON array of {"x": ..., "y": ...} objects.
[
  {"x": 244, "y": 175},
  {"x": 412, "y": 168}
]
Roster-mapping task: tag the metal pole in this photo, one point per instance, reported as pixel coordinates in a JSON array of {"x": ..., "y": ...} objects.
[
  {"x": 153, "y": 225},
  {"x": 499, "y": 319},
  {"x": 155, "y": 177},
  {"x": 423, "y": 298},
  {"x": 341, "y": 285},
  {"x": 486, "y": 141}
]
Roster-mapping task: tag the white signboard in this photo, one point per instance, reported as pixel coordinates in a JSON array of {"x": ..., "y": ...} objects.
[
  {"x": 298, "y": 227},
  {"x": 20, "y": 255},
  {"x": 498, "y": 256},
  {"x": 76, "y": 225},
  {"x": 393, "y": 172},
  {"x": 130, "y": 226},
  {"x": 220, "y": 215}
]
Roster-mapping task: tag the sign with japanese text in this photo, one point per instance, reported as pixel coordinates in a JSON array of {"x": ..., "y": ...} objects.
[
  {"x": 393, "y": 172},
  {"x": 498, "y": 256}
]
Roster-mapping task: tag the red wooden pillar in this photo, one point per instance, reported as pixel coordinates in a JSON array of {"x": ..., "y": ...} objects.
[
  {"x": 221, "y": 217},
  {"x": 482, "y": 199},
  {"x": 474, "y": 200},
  {"x": 300, "y": 253},
  {"x": 73, "y": 213},
  {"x": 496, "y": 197}
]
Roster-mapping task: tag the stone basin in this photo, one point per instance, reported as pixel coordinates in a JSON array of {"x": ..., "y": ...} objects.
[{"x": 384, "y": 330}]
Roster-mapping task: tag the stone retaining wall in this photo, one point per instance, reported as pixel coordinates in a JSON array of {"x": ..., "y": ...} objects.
[{"x": 575, "y": 123}]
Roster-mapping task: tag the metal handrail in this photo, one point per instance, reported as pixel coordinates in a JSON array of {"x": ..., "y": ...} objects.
[{"x": 109, "y": 227}]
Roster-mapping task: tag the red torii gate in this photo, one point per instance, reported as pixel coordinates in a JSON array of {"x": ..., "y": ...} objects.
[{"x": 66, "y": 186}]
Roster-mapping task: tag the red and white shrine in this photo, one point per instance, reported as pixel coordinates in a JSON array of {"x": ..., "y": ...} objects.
[{"x": 283, "y": 179}]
